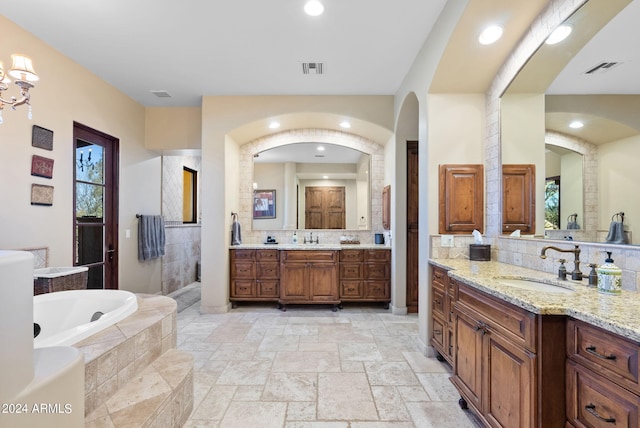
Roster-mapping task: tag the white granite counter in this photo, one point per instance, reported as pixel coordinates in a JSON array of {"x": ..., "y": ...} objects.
[
  {"x": 310, "y": 247},
  {"x": 616, "y": 313}
]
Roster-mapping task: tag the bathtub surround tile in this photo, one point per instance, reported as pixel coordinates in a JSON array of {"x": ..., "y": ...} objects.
[{"x": 311, "y": 368}]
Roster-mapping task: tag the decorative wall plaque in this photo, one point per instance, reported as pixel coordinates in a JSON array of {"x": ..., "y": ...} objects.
[
  {"x": 41, "y": 167},
  {"x": 42, "y": 138},
  {"x": 41, "y": 195}
]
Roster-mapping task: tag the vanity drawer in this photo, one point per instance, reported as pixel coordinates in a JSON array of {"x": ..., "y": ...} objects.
[
  {"x": 267, "y": 255},
  {"x": 243, "y": 289},
  {"x": 606, "y": 353},
  {"x": 438, "y": 276},
  {"x": 377, "y": 271},
  {"x": 351, "y": 255},
  {"x": 376, "y": 290},
  {"x": 268, "y": 270},
  {"x": 594, "y": 401},
  {"x": 437, "y": 335},
  {"x": 243, "y": 255},
  {"x": 268, "y": 288},
  {"x": 514, "y": 323},
  {"x": 350, "y": 289},
  {"x": 437, "y": 303},
  {"x": 243, "y": 270},
  {"x": 309, "y": 256},
  {"x": 377, "y": 255},
  {"x": 351, "y": 270}
]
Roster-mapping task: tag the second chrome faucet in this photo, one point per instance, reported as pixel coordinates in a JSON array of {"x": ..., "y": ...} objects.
[{"x": 577, "y": 273}]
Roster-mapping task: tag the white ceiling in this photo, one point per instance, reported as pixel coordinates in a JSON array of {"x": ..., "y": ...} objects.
[
  {"x": 309, "y": 153},
  {"x": 192, "y": 48}
]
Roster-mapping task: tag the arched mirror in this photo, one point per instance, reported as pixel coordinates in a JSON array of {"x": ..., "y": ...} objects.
[{"x": 311, "y": 186}]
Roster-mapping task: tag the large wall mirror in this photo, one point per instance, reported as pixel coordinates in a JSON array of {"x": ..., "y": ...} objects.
[
  {"x": 574, "y": 111},
  {"x": 317, "y": 186}
]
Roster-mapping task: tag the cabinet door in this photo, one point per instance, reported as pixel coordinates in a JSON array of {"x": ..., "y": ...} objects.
[
  {"x": 468, "y": 361},
  {"x": 509, "y": 383},
  {"x": 323, "y": 281},
  {"x": 518, "y": 198},
  {"x": 461, "y": 198},
  {"x": 293, "y": 281}
]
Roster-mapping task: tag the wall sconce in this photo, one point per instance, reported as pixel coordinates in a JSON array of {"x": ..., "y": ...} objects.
[
  {"x": 21, "y": 70},
  {"x": 82, "y": 163}
]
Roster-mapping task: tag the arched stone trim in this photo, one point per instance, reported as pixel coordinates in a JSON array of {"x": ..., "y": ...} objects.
[
  {"x": 326, "y": 136},
  {"x": 556, "y": 12},
  {"x": 589, "y": 172}
]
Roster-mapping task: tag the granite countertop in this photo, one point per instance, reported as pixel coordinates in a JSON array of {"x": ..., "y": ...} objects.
[
  {"x": 310, "y": 247},
  {"x": 615, "y": 313}
]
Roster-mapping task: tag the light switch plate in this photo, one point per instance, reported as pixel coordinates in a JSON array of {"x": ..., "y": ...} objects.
[{"x": 446, "y": 240}]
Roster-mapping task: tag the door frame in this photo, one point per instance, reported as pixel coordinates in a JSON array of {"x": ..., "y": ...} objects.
[{"x": 111, "y": 180}]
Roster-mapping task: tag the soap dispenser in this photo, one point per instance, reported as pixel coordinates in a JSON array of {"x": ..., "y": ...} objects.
[{"x": 609, "y": 277}]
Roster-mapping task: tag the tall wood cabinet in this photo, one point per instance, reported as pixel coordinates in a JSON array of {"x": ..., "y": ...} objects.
[
  {"x": 309, "y": 277},
  {"x": 501, "y": 369},
  {"x": 461, "y": 198},
  {"x": 518, "y": 198}
]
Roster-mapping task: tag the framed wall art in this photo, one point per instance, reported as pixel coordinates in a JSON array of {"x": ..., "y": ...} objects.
[
  {"x": 41, "y": 137},
  {"x": 264, "y": 204},
  {"x": 41, "y": 195},
  {"x": 41, "y": 167}
]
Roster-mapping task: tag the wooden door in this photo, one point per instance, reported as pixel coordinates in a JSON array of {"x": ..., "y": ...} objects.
[
  {"x": 468, "y": 360},
  {"x": 325, "y": 207},
  {"x": 412, "y": 226},
  {"x": 509, "y": 381},
  {"x": 323, "y": 281},
  {"x": 386, "y": 207},
  {"x": 95, "y": 205},
  {"x": 518, "y": 198},
  {"x": 461, "y": 198},
  {"x": 293, "y": 281}
]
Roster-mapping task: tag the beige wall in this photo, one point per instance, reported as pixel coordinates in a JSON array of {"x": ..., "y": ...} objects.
[
  {"x": 173, "y": 128},
  {"x": 66, "y": 93},
  {"x": 455, "y": 137}
]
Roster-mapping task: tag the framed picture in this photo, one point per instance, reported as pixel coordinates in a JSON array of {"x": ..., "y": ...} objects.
[
  {"x": 264, "y": 204},
  {"x": 41, "y": 137},
  {"x": 41, "y": 167},
  {"x": 41, "y": 195}
]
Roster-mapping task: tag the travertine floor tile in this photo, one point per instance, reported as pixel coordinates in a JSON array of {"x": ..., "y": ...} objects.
[{"x": 308, "y": 367}]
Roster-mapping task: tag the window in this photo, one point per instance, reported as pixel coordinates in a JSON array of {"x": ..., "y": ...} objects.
[
  {"x": 189, "y": 198},
  {"x": 552, "y": 203}
]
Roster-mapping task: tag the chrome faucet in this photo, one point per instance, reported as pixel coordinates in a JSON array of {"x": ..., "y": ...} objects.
[{"x": 576, "y": 274}]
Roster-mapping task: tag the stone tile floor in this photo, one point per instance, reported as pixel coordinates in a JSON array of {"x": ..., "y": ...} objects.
[{"x": 308, "y": 367}]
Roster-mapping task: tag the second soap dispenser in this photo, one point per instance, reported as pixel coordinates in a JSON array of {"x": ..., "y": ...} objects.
[{"x": 609, "y": 277}]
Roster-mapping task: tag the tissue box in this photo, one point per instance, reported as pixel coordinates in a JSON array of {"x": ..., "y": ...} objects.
[{"x": 480, "y": 252}]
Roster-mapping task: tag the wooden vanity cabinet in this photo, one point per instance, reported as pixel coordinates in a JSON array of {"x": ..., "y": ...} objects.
[
  {"x": 443, "y": 295},
  {"x": 309, "y": 276},
  {"x": 501, "y": 369},
  {"x": 365, "y": 276},
  {"x": 255, "y": 275},
  {"x": 603, "y": 388}
]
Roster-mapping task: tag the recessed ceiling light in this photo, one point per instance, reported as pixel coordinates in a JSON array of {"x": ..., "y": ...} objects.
[
  {"x": 325, "y": 176},
  {"x": 559, "y": 34},
  {"x": 274, "y": 125},
  {"x": 576, "y": 124},
  {"x": 314, "y": 8},
  {"x": 490, "y": 35},
  {"x": 320, "y": 148},
  {"x": 345, "y": 124}
]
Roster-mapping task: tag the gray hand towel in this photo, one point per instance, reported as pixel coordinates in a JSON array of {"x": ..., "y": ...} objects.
[
  {"x": 616, "y": 233},
  {"x": 151, "y": 237},
  {"x": 236, "y": 235}
]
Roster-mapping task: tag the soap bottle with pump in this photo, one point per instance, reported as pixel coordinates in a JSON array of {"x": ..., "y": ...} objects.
[
  {"x": 609, "y": 277},
  {"x": 294, "y": 238}
]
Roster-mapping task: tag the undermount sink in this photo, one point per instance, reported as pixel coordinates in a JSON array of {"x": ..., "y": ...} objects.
[{"x": 533, "y": 285}]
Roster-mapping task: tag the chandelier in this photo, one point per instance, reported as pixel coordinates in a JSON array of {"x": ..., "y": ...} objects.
[{"x": 23, "y": 73}]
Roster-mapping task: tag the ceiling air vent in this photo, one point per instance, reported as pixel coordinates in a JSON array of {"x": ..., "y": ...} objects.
[
  {"x": 161, "y": 94},
  {"x": 312, "y": 68},
  {"x": 602, "y": 67}
]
